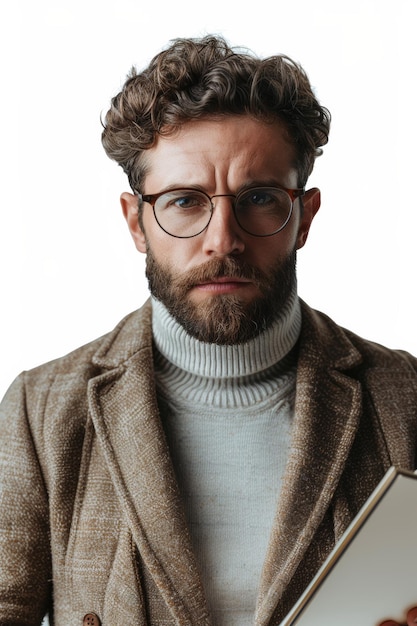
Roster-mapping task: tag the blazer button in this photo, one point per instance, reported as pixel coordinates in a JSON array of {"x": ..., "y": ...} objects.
[{"x": 91, "y": 619}]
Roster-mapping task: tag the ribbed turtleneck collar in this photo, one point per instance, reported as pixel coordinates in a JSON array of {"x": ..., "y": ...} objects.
[{"x": 215, "y": 361}]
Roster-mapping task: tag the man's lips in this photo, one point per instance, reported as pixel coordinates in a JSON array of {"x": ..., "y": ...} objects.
[{"x": 222, "y": 284}]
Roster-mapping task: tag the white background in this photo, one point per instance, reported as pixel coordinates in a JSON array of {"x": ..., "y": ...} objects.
[{"x": 69, "y": 270}]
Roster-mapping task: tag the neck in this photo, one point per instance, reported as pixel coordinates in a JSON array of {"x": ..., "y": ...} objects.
[{"x": 214, "y": 361}]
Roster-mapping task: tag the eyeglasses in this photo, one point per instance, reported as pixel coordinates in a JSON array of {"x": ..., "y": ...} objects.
[{"x": 259, "y": 211}]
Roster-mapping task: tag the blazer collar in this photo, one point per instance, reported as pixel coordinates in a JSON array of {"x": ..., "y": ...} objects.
[
  {"x": 132, "y": 334},
  {"x": 125, "y": 415},
  {"x": 327, "y": 411}
]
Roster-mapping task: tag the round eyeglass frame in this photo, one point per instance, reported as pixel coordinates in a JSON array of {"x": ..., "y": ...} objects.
[{"x": 292, "y": 193}]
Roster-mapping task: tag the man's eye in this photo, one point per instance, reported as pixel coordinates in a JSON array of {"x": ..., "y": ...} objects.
[
  {"x": 257, "y": 199},
  {"x": 184, "y": 201},
  {"x": 260, "y": 198}
]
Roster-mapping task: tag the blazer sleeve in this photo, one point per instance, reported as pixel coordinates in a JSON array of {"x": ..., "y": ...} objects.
[{"x": 25, "y": 560}]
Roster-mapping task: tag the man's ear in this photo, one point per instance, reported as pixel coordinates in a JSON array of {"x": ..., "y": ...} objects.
[
  {"x": 130, "y": 210},
  {"x": 311, "y": 204}
]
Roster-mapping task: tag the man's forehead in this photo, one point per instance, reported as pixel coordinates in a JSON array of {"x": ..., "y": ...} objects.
[{"x": 237, "y": 143}]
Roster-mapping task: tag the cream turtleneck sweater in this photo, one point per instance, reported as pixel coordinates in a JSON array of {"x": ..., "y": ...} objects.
[{"x": 227, "y": 413}]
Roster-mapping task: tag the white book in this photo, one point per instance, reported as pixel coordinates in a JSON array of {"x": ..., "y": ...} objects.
[{"x": 371, "y": 575}]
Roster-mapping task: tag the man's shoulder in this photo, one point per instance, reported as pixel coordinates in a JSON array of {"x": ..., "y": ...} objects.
[
  {"x": 131, "y": 334},
  {"x": 53, "y": 397},
  {"x": 345, "y": 345}
]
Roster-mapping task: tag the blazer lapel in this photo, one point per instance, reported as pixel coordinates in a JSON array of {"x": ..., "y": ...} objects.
[
  {"x": 125, "y": 416},
  {"x": 327, "y": 411}
]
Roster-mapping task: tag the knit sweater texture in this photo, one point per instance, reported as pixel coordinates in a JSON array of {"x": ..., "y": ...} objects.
[{"x": 227, "y": 413}]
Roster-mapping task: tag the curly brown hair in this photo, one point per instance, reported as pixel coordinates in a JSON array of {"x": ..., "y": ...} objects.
[{"x": 201, "y": 78}]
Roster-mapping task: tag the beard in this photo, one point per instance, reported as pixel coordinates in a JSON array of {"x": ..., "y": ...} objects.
[{"x": 223, "y": 319}]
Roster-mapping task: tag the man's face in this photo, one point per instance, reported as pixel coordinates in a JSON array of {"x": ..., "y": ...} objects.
[{"x": 224, "y": 285}]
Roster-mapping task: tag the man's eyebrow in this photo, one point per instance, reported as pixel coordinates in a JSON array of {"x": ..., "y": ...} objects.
[
  {"x": 248, "y": 184},
  {"x": 174, "y": 186},
  {"x": 261, "y": 182}
]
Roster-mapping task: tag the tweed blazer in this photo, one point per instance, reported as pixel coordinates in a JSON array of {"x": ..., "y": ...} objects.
[{"x": 91, "y": 520}]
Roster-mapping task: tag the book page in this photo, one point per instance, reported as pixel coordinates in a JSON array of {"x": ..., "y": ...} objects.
[{"x": 372, "y": 573}]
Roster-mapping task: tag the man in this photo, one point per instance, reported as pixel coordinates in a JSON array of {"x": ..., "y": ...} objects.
[{"x": 196, "y": 465}]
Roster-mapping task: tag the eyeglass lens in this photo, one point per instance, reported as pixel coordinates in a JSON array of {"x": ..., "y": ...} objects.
[{"x": 259, "y": 211}]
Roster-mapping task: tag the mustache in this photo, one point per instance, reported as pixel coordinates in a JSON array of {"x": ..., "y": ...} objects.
[{"x": 219, "y": 268}]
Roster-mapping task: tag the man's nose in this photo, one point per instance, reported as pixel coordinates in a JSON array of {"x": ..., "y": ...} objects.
[{"x": 223, "y": 235}]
